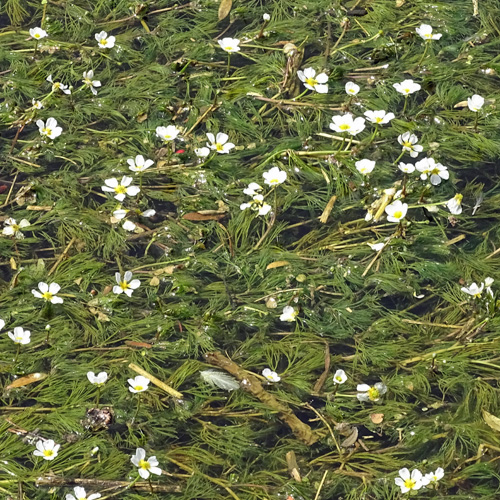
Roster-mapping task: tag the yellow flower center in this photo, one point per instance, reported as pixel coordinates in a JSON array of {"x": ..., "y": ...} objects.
[
  {"x": 143, "y": 464},
  {"x": 373, "y": 393},
  {"x": 120, "y": 189},
  {"x": 311, "y": 81},
  {"x": 428, "y": 35},
  {"x": 124, "y": 285},
  {"x": 219, "y": 146},
  {"x": 37, "y": 35},
  {"x": 103, "y": 41},
  {"x": 139, "y": 388},
  {"x": 57, "y": 85},
  {"x": 406, "y": 91},
  {"x": 48, "y": 453},
  {"x": 378, "y": 119},
  {"x": 47, "y": 295},
  {"x": 338, "y": 378},
  {"x": 228, "y": 48},
  {"x": 477, "y": 295},
  {"x": 344, "y": 126},
  {"x": 15, "y": 227},
  {"x": 408, "y": 144},
  {"x": 397, "y": 215},
  {"x": 410, "y": 483},
  {"x": 46, "y": 131}
]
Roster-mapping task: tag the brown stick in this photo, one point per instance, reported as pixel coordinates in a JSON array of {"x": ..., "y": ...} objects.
[
  {"x": 253, "y": 386},
  {"x": 61, "y": 257},
  {"x": 105, "y": 484},
  {"x": 320, "y": 382},
  {"x": 156, "y": 381}
]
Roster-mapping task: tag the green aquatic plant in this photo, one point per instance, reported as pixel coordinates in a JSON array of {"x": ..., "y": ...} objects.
[{"x": 305, "y": 195}]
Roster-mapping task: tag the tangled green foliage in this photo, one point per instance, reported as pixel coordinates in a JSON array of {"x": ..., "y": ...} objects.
[{"x": 396, "y": 316}]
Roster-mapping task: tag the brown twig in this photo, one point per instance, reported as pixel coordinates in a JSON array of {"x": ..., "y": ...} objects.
[
  {"x": 320, "y": 382},
  {"x": 157, "y": 382},
  {"x": 61, "y": 257},
  {"x": 102, "y": 484},
  {"x": 253, "y": 386}
]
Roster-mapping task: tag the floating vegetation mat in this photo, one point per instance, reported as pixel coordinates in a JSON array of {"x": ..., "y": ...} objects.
[{"x": 249, "y": 249}]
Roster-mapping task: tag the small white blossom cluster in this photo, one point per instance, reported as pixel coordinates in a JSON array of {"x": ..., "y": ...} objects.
[
  {"x": 274, "y": 177},
  {"x": 415, "y": 480},
  {"x": 476, "y": 290}
]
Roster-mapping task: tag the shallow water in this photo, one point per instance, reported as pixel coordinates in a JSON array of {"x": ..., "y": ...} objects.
[{"x": 280, "y": 281}]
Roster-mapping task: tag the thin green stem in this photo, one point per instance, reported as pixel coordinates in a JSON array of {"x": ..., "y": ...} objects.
[
  {"x": 98, "y": 397},
  {"x": 138, "y": 407},
  {"x": 375, "y": 132},
  {"x": 424, "y": 54},
  {"x": 406, "y": 102},
  {"x": 301, "y": 95},
  {"x": 399, "y": 157}
]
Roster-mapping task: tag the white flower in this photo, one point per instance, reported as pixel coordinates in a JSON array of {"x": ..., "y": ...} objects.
[
  {"x": 428, "y": 168},
  {"x": 407, "y": 168},
  {"x": 150, "y": 212},
  {"x": 425, "y": 31},
  {"x": 351, "y": 88},
  {"x": 369, "y": 393},
  {"x": 120, "y": 213},
  {"x": 128, "y": 225},
  {"x": 376, "y": 246},
  {"x": 475, "y": 102},
  {"x": 146, "y": 467},
  {"x": 257, "y": 204},
  {"x": 434, "y": 477},
  {"x": 81, "y": 494},
  {"x": 409, "y": 143},
  {"x": 12, "y": 228},
  {"x": 202, "y": 152},
  {"x": 474, "y": 290},
  {"x": 396, "y": 211},
  {"x": 2, "y": 323},
  {"x": 38, "y": 33},
  {"x": 455, "y": 204},
  {"x": 98, "y": 379},
  {"x": 20, "y": 335},
  {"x": 58, "y": 86},
  {"x": 274, "y": 177},
  {"x": 49, "y": 129},
  {"x": 92, "y": 84},
  {"x": 289, "y": 314},
  {"x": 380, "y": 116},
  {"x": 408, "y": 482},
  {"x": 230, "y": 44},
  {"x": 346, "y": 123},
  {"x": 270, "y": 375},
  {"x": 121, "y": 188},
  {"x": 139, "y": 164},
  {"x": 36, "y": 104},
  {"x": 339, "y": 377},
  {"x": 487, "y": 282},
  {"x": 46, "y": 449},
  {"x": 48, "y": 292},
  {"x": 127, "y": 285},
  {"x": 365, "y": 166},
  {"x": 167, "y": 133},
  {"x": 219, "y": 143},
  {"x": 407, "y": 87},
  {"x": 266, "y": 17},
  {"x": 312, "y": 81},
  {"x": 104, "y": 41},
  {"x": 138, "y": 384},
  {"x": 253, "y": 188}
]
